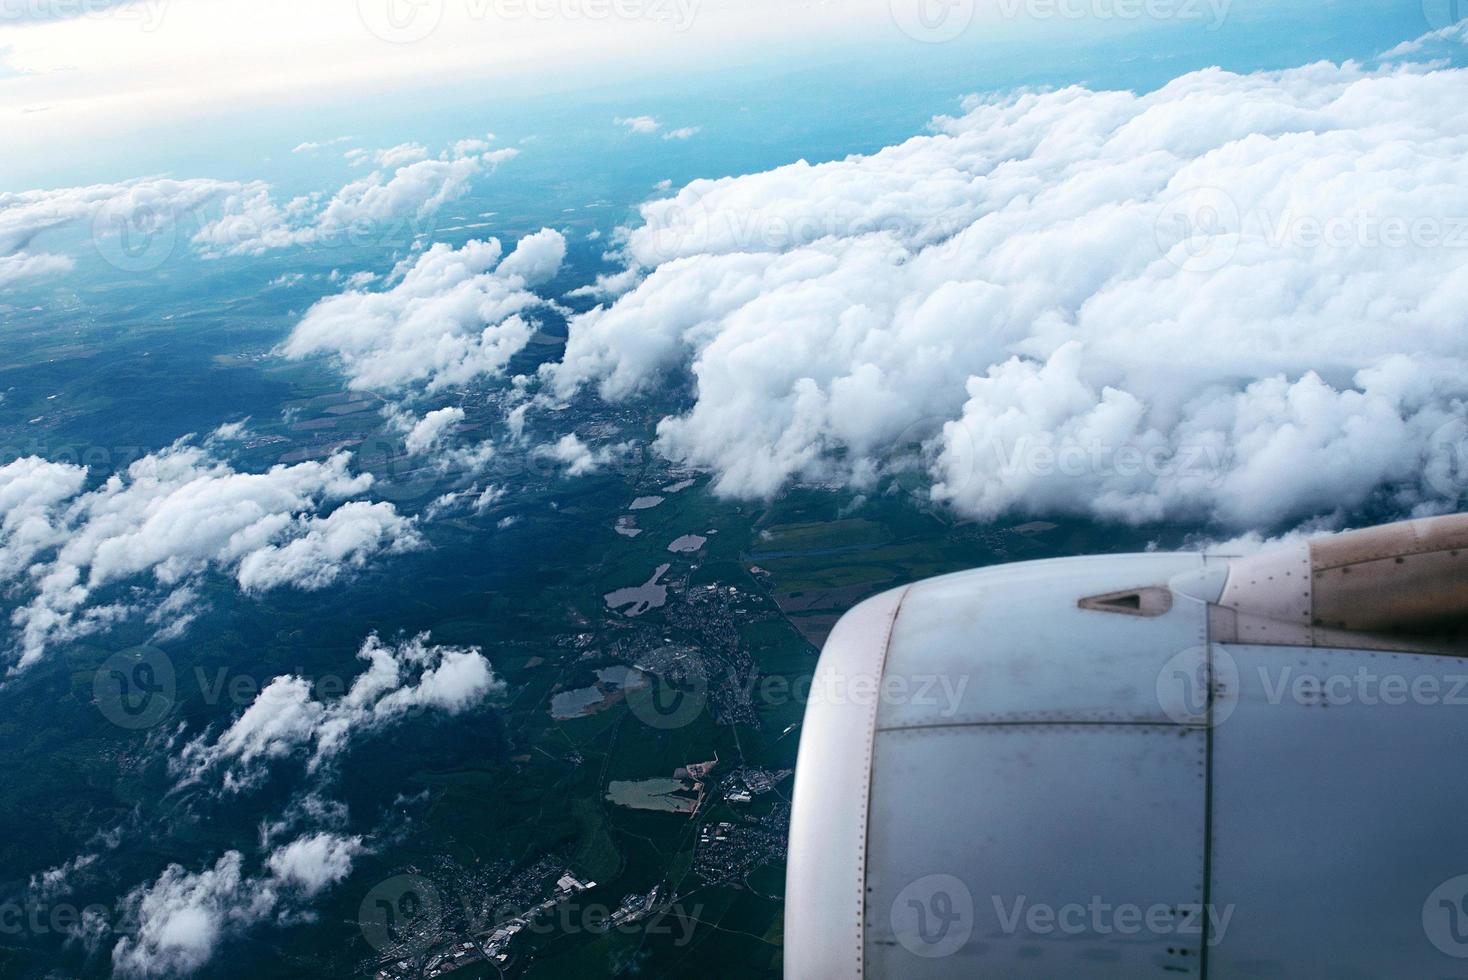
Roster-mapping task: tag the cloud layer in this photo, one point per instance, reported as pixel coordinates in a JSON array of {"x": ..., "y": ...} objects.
[
  {"x": 286, "y": 720},
  {"x": 170, "y": 517},
  {"x": 1239, "y": 299},
  {"x": 137, "y": 225},
  {"x": 174, "y": 925},
  {"x": 407, "y": 187},
  {"x": 454, "y": 315},
  {"x": 130, "y": 223}
]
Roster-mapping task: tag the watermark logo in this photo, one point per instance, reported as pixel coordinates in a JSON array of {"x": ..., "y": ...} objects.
[
  {"x": 135, "y": 236},
  {"x": 1445, "y": 917},
  {"x": 1446, "y": 469},
  {"x": 915, "y": 448},
  {"x": 402, "y": 912},
  {"x": 1442, "y": 14},
  {"x": 148, "y": 14},
  {"x": 40, "y": 918},
  {"x": 933, "y": 21},
  {"x": 401, "y": 21},
  {"x": 934, "y": 916},
  {"x": 1199, "y": 229},
  {"x": 667, "y": 702},
  {"x": 411, "y": 21},
  {"x": 1199, "y": 686},
  {"x": 398, "y": 476},
  {"x": 136, "y": 688},
  {"x": 1309, "y": 689},
  {"x": 1189, "y": 922}
]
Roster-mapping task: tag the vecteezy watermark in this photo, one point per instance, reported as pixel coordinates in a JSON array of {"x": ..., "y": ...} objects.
[
  {"x": 99, "y": 459},
  {"x": 1442, "y": 14},
  {"x": 411, "y": 21},
  {"x": 636, "y": 917},
  {"x": 948, "y": 452},
  {"x": 677, "y": 700},
  {"x": 1290, "y": 685},
  {"x": 1018, "y": 915},
  {"x": 1202, "y": 687},
  {"x": 939, "y": 21},
  {"x": 1199, "y": 686},
  {"x": 685, "y": 225},
  {"x": 401, "y": 21},
  {"x": 1198, "y": 230},
  {"x": 402, "y": 915},
  {"x": 397, "y": 475},
  {"x": 135, "y": 688},
  {"x": 1204, "y": 464},
  {"x": 1201, "y": 230},
  {"x": 1445, "y": 917},
  {"x": 138, "y": 687},
  {"x": 671, "y": 700},
  {"x": 1446, "y": 468},
  {"x": 136, "y": 236},
  {"x": 147, "y": 14},
  {"x": 32, "y": 917},
  {"x": 933, "y": 21},
  {"x": 1295, "y": 229},
  {"x": 141, "y": 231},
  {"x": 941, "y": 693},
  {"x": 915, "y": 449},
  {"x": 934, "y": 916}
]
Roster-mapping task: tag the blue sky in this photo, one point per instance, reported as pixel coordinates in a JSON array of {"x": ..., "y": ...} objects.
[{"x": 224, "y": 89}]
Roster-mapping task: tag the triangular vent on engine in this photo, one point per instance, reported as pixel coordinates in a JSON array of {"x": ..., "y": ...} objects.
[{"x": 1150, "y": 601}]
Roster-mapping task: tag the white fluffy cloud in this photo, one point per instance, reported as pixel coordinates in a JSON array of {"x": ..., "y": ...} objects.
[
  {"x": 402, "y": 154},
  {"x": 173, "y": 926},
  {"x": 456, "y": 314},
  {"x": 144, "y": 214},
  {"x": 575, "y": 456},
  {"x": 14, "y": 268},
  {"x": 408, "y": 187},
  {"x": 168, "y": 518},
  {"x": 429, "y": 432},
  {"x": 141, "y": 223},
  {"x": 311, "y": 146},
  {"x": 643, "y": 125},
  {"x": 315, "y": 863},
  {"x": 286, "y": 720},
  {"x": 1239, "y": 298}
]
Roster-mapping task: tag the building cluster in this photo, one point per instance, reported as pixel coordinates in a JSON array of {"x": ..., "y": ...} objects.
[
  {"x": 633, "y": 909},
  {"x": 745, "y": 783},
  {"x": 728, "y": 851}
]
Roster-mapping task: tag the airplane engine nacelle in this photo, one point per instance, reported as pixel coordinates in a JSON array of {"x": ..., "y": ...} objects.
[{"x": 1144, "y": 765}]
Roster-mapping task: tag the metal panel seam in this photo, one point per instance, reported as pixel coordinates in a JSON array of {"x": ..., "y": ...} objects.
[{"x": 866, "y": 802}]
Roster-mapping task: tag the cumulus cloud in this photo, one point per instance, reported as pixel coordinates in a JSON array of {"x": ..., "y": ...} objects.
[
  {"x": 312, "y": 147},
  {"x": 429, "y": 432},
  {"x": 407, "y": 187},
  {"x": 1239, "y": 298},
  {"x": 316, "y": 551},
  {"x": 143, "y": 213},
  {"x": 144, "y": 221},
  {"x": 168, "y": 518},
  {"x": 14, "y": 268},
  {"x": 642, "y": 125},
  {"x": 315, "y": 863},
  {"x": 286, "y": 720},
  {"x": 575, "y": 456},
  {"x": 55, "y": 883},
  {"x": 683, "y": 133},
  {"x": 455, "y": 314},
  {"x": 173, "y": 926},
  {"x": 402, "y": 154}
]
